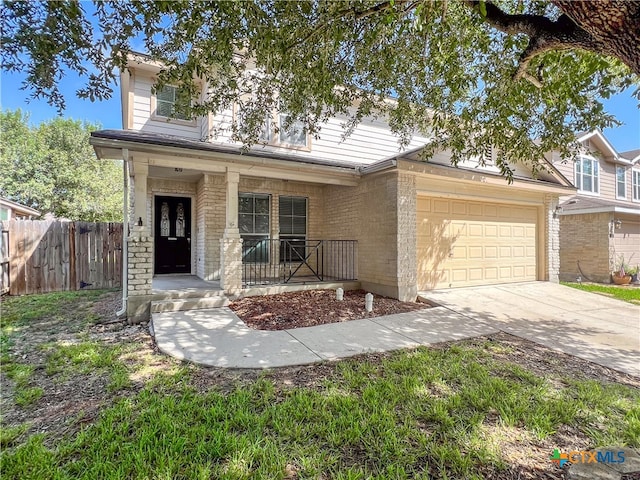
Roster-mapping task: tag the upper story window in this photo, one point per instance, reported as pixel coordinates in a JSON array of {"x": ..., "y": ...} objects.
[
  {"x": 276, "y": 133},
  {"x": 635, "y": 184},
  {"x": 621, "y": 182},
  {"x": 167, "y": 99},
  {"x": 587, "y": 175}
]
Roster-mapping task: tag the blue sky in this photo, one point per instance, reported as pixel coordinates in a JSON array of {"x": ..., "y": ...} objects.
[{"x": 107, "y": 113}]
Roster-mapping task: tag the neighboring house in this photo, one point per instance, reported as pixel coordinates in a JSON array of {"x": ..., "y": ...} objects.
[
  {"x": 601, "y": 223},
  {"x": 10, "y": 210},
  {"x": 318, "y": 210}
]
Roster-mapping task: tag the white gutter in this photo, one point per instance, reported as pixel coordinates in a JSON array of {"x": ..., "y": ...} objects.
[
  {"x": 125, "y": 233},
  {"x": 378, "y": 166},
  {"x": 607, "y": 209}
]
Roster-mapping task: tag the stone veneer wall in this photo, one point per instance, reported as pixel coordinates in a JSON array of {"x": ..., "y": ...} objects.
[{"x": 584, "y": 238}]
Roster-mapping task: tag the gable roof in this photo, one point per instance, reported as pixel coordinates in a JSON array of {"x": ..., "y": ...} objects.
[
  {"x": 632, "y": 155},
  {"x": 604, "y": 146}
]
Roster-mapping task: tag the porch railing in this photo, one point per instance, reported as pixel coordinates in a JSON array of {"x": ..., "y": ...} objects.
[{"x": 267, "y": 261}]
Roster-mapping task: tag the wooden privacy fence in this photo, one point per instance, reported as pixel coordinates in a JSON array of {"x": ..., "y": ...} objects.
[{"x": 50, "y": 256}]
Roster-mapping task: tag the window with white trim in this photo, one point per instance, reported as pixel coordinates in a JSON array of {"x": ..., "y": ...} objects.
[
  {"x": 587, "y": 175},
  {"x": 621, "y": 182},
  {"x": 167, "y": 99},
  {"x": 293, "y": 228},
  {"x": 253, "y": 222},
  {"x": 635, "y": 184},
  {"x": 276, "y": 133}
]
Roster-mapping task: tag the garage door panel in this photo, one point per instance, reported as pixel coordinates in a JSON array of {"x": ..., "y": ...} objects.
[
  {"x": 475, "y": 230},
  {"x": 459, "y": 275},
  {"x": 441, "y": 206},
  {"x": 490, "y": 230},
  {"x": 474, "y": 210},
  {"x": 475, "y": 243},
  {"x": 490, "y": 252},
  {"x": 476, "y": 274},
  {"x": 459, "y": 208},
  {"x": 490, "y": 274},
  {"x": 490, "y": 210}
]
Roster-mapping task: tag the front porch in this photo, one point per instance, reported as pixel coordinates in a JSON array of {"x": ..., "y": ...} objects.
[{"x": 172, "y": 293}]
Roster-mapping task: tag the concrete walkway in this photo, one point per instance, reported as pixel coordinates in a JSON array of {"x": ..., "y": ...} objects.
[
  {"x": 587, "y": 325},
  {"x": 596, "y": 328},
  {"x": 217, "y": 337}
]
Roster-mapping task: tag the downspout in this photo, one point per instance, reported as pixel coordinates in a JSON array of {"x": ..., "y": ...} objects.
[{"x": 125, "y": 234}]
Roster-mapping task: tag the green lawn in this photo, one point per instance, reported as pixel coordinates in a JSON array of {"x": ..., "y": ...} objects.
[
  {"x": 464, "y": 410},
  {"x": 626, "y": 293}
]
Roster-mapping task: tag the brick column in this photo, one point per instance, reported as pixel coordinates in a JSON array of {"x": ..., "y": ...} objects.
[
  {"x": 553, "y": 238},
  {"x": 231, "y": 243},
  {"x": 140, "y": 252},
  {"x": 407, "y": 238}
]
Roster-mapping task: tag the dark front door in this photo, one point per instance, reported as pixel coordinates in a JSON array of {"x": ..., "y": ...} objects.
[{"x": 173, "y": 235}]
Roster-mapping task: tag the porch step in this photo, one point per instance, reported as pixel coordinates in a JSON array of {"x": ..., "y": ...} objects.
[{"x": 189, "y": 303}]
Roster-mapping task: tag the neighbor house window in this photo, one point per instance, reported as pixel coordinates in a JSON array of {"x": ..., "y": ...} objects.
[
  {"x": 587, "y": 175},
  {"x": 635, "y": 176},
  {"x": 167, "y": 101},
  {"x": 253, "y": 222},
  {"x": 621, "y": 182},
  {"x": 293, "y": 228}
]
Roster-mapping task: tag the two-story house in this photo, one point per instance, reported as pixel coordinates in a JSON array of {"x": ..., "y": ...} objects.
[
  {"x": 600, "y": 224},
  {"x": 307, "y": 211}
]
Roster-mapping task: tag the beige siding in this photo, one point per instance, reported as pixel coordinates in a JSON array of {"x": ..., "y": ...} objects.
[
  {"x": 143, "y": 121},
  {"x": 607, "y": 190},
  {"x": 371, "y": 141},
  {"x": 626, "y": 239},
  {"x": 607, "y": 180}
]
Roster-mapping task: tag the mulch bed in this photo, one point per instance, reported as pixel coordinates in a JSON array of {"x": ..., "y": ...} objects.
[{"x": 314, "y": 307}]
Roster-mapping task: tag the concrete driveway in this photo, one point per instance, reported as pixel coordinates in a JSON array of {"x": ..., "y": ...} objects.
[{"x": 587, "y": 325}]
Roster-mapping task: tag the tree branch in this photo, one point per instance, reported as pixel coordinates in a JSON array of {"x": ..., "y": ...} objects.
[{"x": 544, "y": 34}]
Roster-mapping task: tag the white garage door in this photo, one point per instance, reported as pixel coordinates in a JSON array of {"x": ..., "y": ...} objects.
[{"x": 463, "y": 243}]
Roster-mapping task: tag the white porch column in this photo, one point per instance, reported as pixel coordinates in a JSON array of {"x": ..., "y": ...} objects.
[
  {"x": 231, "y": 243},
  {"x": 140, "y": 174}
]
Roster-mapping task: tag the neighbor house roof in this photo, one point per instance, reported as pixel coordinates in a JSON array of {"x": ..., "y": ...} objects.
[
  {"x": 18, "y": 208},
  {"x": 586, "y": 204},
  {"x": 632, "y": 155}
]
